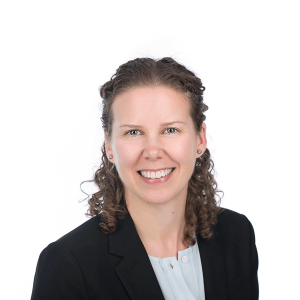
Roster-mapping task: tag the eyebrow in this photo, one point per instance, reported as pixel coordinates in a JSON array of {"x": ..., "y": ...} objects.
[{"x": 162, "y": 124}]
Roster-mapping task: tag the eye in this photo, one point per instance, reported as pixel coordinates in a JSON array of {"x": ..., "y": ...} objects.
[
  {"x": 135, "y": 130},
  {"x": 173, "y": 128},
  {"x": 126, "y": 133}
]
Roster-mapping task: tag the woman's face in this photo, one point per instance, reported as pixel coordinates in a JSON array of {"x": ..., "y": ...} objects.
[{"x": 142, "y": 141}]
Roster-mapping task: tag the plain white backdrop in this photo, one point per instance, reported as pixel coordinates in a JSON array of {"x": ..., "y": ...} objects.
[{"x": 55, "y": 55}]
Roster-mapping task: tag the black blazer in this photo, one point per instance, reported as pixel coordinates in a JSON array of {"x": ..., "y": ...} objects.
[{"x": 86, "y": 264}]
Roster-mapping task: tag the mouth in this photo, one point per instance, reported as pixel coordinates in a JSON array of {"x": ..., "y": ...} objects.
[{"x": 154, "y": 175}]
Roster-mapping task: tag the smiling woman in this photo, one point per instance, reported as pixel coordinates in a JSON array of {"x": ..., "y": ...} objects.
[{"x": 157, "y": 231}]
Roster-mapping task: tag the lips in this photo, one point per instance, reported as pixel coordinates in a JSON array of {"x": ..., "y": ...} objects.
[
  {"x": 147, "y": 170},
  {"x": 156, "y": 181},
  {"x": 140, "y": 172}
]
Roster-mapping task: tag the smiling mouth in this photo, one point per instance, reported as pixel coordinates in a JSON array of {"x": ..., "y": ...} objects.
[{"x": 150, "y": 177}]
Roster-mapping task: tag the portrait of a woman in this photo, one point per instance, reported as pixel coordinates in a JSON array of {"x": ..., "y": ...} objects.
[{"x": 157, "y": 230}]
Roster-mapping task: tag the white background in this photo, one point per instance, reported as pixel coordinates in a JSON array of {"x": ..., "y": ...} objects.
[{"x": 56, "y": 54}]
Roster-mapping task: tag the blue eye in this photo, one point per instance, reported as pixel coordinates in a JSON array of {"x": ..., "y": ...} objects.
[
  {"x": 172, "y": 128},
  {"x": 134, "y": 135},
  {"x": 131, "y": 131}
]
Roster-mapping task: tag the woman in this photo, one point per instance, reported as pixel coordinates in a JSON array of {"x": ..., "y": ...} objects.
[{"x": 157, "y": 230}]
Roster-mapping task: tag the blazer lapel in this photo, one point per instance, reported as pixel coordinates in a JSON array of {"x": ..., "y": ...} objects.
[
  {"x": 213, "y": 268},
  {"x": 137, "y": 275},
  {"x": 134, "y": 270}
]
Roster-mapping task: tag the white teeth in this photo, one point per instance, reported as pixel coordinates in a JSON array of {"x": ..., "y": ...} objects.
[{"x": 156, "y": 175}]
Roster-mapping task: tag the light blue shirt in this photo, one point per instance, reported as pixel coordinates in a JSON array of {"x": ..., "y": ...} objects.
[{"x": 180, "y": 279}]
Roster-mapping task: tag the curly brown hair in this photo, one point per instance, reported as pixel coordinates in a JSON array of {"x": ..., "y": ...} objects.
[{"x": 201, "y": 204}]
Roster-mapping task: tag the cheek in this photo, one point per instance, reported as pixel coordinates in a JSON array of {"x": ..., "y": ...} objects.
[
  {"x": 127, "y": 154},
  {"x": 183, "y": 152}
]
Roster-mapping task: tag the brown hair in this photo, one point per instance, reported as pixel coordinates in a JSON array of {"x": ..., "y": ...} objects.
[{"x": 201, "y": 206}]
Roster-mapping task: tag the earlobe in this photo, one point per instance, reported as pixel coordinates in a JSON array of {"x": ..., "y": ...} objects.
[{"x": 107, "y": 148}]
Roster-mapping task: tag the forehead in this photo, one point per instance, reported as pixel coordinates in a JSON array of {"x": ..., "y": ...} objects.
[{"x": 143, "y": 105}]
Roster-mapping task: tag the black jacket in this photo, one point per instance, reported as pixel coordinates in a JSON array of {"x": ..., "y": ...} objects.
[{"x": 87, "y": 264}]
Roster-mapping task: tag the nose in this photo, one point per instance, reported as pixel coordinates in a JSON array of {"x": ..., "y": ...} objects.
[{"x": 153, "y": 149}]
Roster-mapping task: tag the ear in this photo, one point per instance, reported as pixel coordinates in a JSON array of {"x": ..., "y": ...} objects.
[
  {"x": 108, "y": 148},
  {"x": 202, "y": 142}
]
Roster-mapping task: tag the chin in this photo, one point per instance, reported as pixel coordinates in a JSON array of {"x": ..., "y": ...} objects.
[{"x": 157, "y": 198}]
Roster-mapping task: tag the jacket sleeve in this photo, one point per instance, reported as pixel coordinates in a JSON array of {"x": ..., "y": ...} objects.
[
  {"x": 254, "y": 291},
  {"x": 58, "y": 276}
]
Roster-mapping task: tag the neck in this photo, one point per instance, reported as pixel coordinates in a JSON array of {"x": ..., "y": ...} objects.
[{"x": 160, "y": 226}]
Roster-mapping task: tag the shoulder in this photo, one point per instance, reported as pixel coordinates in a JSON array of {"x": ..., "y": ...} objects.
[
  {"x": 86, "y": 235},
  {"x": 87, "y": 230},
  {"x": 78, "y": 247},
  {"x": 231, "y": 218},
  {"x": 231, "y": 223},
  {"x": 59, "y": 268},
  {"x": 61, "y": 265},
  {"x": 234, "y": 235},
  {"x": 74, "y": 244}
]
